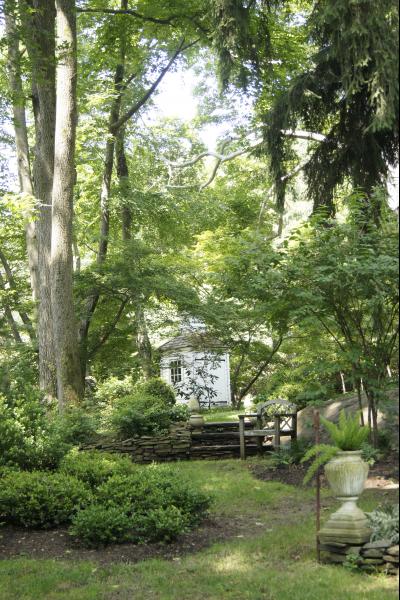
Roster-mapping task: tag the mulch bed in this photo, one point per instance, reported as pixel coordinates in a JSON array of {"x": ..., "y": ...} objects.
[
  {"x": 58, "y": 544},
  {"x": 291, "y": 475}
]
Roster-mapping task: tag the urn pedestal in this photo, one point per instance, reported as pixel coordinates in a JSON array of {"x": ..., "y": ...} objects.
[{"x": 346, "y": 474}]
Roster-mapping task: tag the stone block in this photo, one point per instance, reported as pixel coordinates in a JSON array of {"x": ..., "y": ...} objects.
[
  {"x": 373, "y": 553},
  {"x": 373, "y": 561},
  {"x": 394, "y": 550},
  {"x": 378, "y": 544},
  {"x": 391, "y": 559}
]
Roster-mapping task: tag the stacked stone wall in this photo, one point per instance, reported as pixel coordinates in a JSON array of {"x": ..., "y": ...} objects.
[{"x": 381, "y": 555}]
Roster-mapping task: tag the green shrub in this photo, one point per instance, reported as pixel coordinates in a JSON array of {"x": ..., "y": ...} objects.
[
  {"x": 28, "y": 439},
  {"x": 150, "y": 505},
  {"x": 94, "y": 467},
  {"x": 384, "y": 522},
  {"x": 179, "y": 412},
  {"x": 159, "y": 524},
  {"x": 100, "y": 525},
  {"x": 40, "y": 499},
  {"x": 76, "y": 426},
  {"x": 158, "y": 389},
  {"x": 113, "y": 388},
  {"x": 151, "y": 488},
  {"x": 140, "y": 415}
]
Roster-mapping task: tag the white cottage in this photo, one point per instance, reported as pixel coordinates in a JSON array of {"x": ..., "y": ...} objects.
[{"x": 197, "y": 366}]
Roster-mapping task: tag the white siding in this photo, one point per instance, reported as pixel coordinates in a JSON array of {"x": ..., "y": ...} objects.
[{"x": 192, "y": 361}]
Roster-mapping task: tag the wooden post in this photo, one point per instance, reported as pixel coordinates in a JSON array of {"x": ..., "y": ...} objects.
[
  {"x": 241, "y": 436},
  {"x": 277, "y": 441},
  {"x": 294, "y": 422},
  {"x": 318, "y": 491}
]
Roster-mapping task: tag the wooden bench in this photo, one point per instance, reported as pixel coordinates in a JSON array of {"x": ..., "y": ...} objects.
[{"x": 281, "y": 423}]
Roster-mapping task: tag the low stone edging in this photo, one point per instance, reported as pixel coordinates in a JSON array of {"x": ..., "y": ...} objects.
[{"x": 381, "y": 555}]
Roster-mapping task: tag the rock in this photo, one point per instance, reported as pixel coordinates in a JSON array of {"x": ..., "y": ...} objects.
[
  {"x": 335, "y": 558},
  {"x": 391, "y": 559},
  {"x": 394, "y": 550},
  {"x": 378, "y": 544},
  {"x": 373, "y": 553},
  {"x": 373, "y": 561}
]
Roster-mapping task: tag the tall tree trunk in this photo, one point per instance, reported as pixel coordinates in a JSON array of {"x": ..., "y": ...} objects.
[
  {"x": 69, "y": 379},
  {"x": 125, "y": 190},
  {"x": 38, "y": 17},
  {"x": 104, "y": 198},
  {"x": 143, "y": 344},
  {"x": 21, "y": 137}
]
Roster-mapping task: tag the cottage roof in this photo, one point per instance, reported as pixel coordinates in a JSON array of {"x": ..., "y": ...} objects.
[{"x": 196, "y": 341}]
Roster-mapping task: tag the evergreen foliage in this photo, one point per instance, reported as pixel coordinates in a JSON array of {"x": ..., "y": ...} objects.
[{"x": 350, "y": 94}]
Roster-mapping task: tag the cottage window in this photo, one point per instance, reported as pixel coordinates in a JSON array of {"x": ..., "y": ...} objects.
[{"x": 176, "y": 371}]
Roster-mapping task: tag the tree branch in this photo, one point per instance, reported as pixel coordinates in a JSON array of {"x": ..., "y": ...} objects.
[
  {"x": 13, "y": 286},
  {"x": 8, "y": 314},
  {"x": 130, "y": 12},
  {"x": 304, "y": 135},
  {"x": 260, "y": 370},
  {"x": 114, "y": 127},
  {"x": 109, "y": 331},
  {"x": 221, "y": 158}
]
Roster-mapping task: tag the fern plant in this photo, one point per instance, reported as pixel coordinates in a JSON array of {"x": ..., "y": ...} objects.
[{"x": 348, "y": 435}]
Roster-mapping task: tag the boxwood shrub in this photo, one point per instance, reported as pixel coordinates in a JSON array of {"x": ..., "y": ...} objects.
[
  {"x": 94, "y": 467},
  {"x": 40, "y": 499},
  {"x": 149, "y": 505}
]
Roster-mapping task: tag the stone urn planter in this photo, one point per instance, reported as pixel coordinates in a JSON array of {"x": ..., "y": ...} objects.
[
  {"x": 196, "y": 421},
  {"x": 346, "y": 474}
]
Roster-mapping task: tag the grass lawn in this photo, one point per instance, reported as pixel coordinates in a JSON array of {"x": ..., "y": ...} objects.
[
  {"x": 273, "y": 558},
  {"x": 214, "y": 415}
]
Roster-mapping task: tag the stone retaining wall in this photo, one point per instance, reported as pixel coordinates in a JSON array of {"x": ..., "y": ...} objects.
[
  {"x": 381, "y": 555},
  {"x": 174, "y": 445},
  {"x": 182, "y": 442}
]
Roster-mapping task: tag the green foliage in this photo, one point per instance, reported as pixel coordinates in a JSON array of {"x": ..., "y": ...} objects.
[
  {"x": 348, "y": 434},
  {"x": 147, "y": 506},
  {"x": 352, "y": 561},
  {"x": 179, "y": 413},
  {"x": 384, "y": 522},
  {"x": 152, "y": 488},
  {"x": 113, "y": 388},
  {"x": 99, "y": 525},
  {"x": 349, "y": 92},
  {"x": 140, "y": 415},
  {"x": 76, "y": 425},
  {"x": 322, "y": 453},
  {"x": 28, "y": 439},
  {"x": 160, "y": 524},
  {"x": 159, "y": 389},
  {"x": 370, "y": 454},
  {"x": 94, "y": 467},
  {"x": 40, "y": 499}
]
